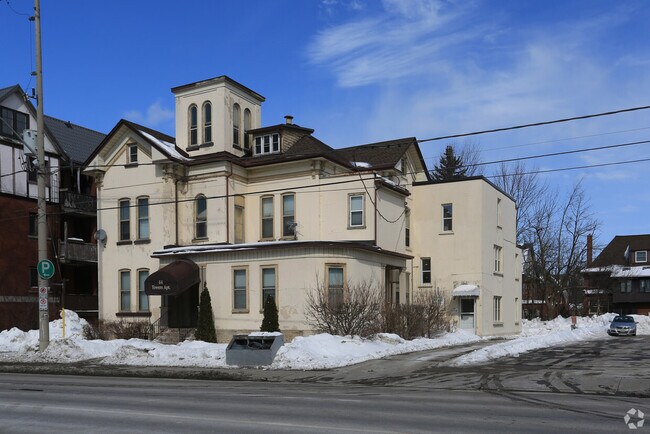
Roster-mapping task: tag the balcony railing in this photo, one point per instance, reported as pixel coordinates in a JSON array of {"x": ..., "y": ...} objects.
[
  {"x": 81, "y": 302},
  {"x": 79, "y": 203},
  {"x": 77, "y": 251}
]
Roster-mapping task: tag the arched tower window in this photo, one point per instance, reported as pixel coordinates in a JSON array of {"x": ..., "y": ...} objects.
[
  {"x": 247, "y": 127},
  {"x": 207, "y": 122},
  {"x": 193, "y": 122},
  {"x": 236, "y": 122}
]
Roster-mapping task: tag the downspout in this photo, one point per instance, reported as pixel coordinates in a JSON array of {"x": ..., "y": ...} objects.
[{"x": 176, "y": 210}]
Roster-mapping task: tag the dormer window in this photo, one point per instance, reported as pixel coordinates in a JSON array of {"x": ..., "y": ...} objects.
[
  {"x": 194, "y": 133},
  {"x": 207, "y": 122},
  {"x": 236, "y": 121},
  {"x": 268, "y": 144}
]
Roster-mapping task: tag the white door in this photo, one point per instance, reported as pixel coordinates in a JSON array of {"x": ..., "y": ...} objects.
[{"x": 467, "y": 314}]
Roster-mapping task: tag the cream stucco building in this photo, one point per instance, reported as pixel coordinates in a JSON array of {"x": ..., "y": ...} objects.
[{"x": 252, "y": 211}]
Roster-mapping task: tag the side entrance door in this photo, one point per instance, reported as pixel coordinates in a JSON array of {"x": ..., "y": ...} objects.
[{"x": 467, "y": 314}]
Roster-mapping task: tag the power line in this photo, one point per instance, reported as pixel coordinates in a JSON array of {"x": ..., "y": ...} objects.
[
  {"x": 588, "y": 166},
  {"x": 536, "y": 124},
  {"x": 553, "y": 154}
]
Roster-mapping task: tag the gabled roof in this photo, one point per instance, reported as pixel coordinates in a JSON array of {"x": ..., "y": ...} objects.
[
  {"x": 6, "y": 91},
  {"x": 614, "y": 252},
  {"x": 161, "y": 141},
  {"x": 76, "y": 141}
]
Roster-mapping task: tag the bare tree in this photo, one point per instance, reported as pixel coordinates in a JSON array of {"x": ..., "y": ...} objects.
[
  {"x": 528, "y": 191},
  {"x": 355, "y": 312},
  {"x": 470, "y": 155},
  {"x": 457, "y": 162}
]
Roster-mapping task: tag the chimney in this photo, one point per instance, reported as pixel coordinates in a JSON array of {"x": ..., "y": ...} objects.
[
  {"x": 590, "y": 249},
  {"x": 288, "y": 119}
]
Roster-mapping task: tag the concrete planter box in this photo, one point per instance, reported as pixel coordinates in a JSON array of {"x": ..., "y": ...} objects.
[{"x": 253, "y": 350}]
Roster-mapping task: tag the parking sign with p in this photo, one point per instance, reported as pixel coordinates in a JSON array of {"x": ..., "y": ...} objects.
[{"x": 45, "y": 269}]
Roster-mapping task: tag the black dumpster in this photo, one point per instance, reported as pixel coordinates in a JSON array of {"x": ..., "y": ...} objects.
[{"x": 253, "y": 350}]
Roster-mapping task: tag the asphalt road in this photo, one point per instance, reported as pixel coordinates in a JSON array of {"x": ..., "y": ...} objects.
[{"x": 71, "y": 404}]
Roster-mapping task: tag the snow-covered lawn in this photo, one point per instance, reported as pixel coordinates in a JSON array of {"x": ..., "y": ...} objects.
[{"x": 303, "y": 353}]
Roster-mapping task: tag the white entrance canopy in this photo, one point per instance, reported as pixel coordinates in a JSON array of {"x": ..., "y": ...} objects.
[{"x": 465, "y": 291}]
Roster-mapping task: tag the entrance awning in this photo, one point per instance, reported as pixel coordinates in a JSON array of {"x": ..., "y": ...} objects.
[
  {"x": 173, "y": 279},
  {"x": 465, "y": 291}
]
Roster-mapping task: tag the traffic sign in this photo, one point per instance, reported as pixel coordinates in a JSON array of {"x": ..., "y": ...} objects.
[
  {"x": 45, "y": 269},
  {"x": 42, "y": 290},
  {"x": 42, "y": 297}
]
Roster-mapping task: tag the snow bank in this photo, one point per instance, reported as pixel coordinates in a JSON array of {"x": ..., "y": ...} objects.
[
  {"x": 17, "y": 340},
  {"x": 326, "y": 351},
  {"x": 538, "y": 334}
]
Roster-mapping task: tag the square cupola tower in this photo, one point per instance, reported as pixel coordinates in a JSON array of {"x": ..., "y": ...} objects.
[{"x": 215, "y": 115}]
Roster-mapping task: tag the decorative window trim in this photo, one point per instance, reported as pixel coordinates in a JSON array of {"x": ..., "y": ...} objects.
[
  {"x": 140, "y": 219},
  {"x": 498, "y": 260},
  {"x": 236, "y": 124},
  {"x": 245, "y": 309},
  {"x": 132, "y": 154},
  {"x": 362, "y": 211},
  {"x": 271, "y": 200},
  {"x": 247, "y": 127},
  {"x": 496, "y": 309},
  {"x": 141, "y": 292},
  {"x": 124, "y": 224},
  {"x": 124, "y": 292},
  {"x": 207, "y": 122},
  {"x": 193, "y": 125},
  {"x": 273, "y": 267},
  {"x": 289, "y": 230}
]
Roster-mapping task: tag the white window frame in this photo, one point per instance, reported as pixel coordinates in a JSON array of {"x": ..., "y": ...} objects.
[
  {"x": 143, "y": 219},
  {"x": 263, "y": 288},
  {"x": 133, "y": 154},
  {"x": 341, "y": 290},
  {"x": 286, "y": 232},
  {"x": 499, "y": 212},
  {"x": 267, "y": 144},
  {"x": 449, "y": 219},
  {"x": 247, "y": 126},
  {"x": 361, "y": 211},
  {"x": 235, "y": 289},
  {"x": 498, "y": 259},
  {"x": 637, "y": 256},
  {"x": 263, "y": 217},
  {"x": 203, "y": 221},
  {"x": 125, "y": 293},
  {"x": 425, "y": 271},
  {"x": 122, "y": 221}
]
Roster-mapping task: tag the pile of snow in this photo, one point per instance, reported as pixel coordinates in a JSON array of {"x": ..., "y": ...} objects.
[
  {"x": 537, "y": 334},
  {"x": 326, "y": 351},
  {"x": 17, "y": 340}
]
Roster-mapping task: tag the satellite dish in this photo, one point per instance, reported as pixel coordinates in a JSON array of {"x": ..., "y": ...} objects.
[{"x": 100, "y": 235}]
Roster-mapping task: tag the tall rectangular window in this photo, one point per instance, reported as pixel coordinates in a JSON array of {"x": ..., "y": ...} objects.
[
  {"x": 644, "y": 285},
  {"x": 268, "y": 284},
  {"x": 143, "y": 298},
  {"x": 498, "y": 259},
  {"x": 407, "y": 228},
  {"x": 239, "y": 224},
  {"x": 125, "y": 219},
  {"x": 288, "y": 215},
  {"x": 33, "y": 277},
  {"x": 143, "y": 218},
  {"x": 335, "y": 282},
  {"x": 125, "y": 291},
  {"x": 33, "y": 224},
  {"x": 425, "y": 264},
  {"x": 239, "y": 289},
  {"x": 447, "y": 217},
  {"x": 356, "y": 206},
  {"x": 267, "y": 217},
  {"x": 200, "y": 217},
  {"x": 497, "y": 309},
  {"x": 236, "y": 120}
]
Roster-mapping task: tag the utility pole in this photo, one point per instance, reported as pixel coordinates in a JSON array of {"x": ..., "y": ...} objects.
[{"x": 43, "y": 312}]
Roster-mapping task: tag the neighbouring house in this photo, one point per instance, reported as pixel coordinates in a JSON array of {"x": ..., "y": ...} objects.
[
  {"x": 250, "y": 211},
  {"x": 620, "y": 275},
  {"x": 71, "y": 214}
]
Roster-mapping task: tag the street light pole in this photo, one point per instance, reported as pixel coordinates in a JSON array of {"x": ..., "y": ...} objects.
[{"x": 43, "y": 312}]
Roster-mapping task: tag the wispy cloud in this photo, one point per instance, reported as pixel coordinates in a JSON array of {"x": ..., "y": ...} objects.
[{"x": 155, "y": 115}]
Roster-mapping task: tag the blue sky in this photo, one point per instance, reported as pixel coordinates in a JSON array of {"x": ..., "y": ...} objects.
[{"x": 361, "y": 71}]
